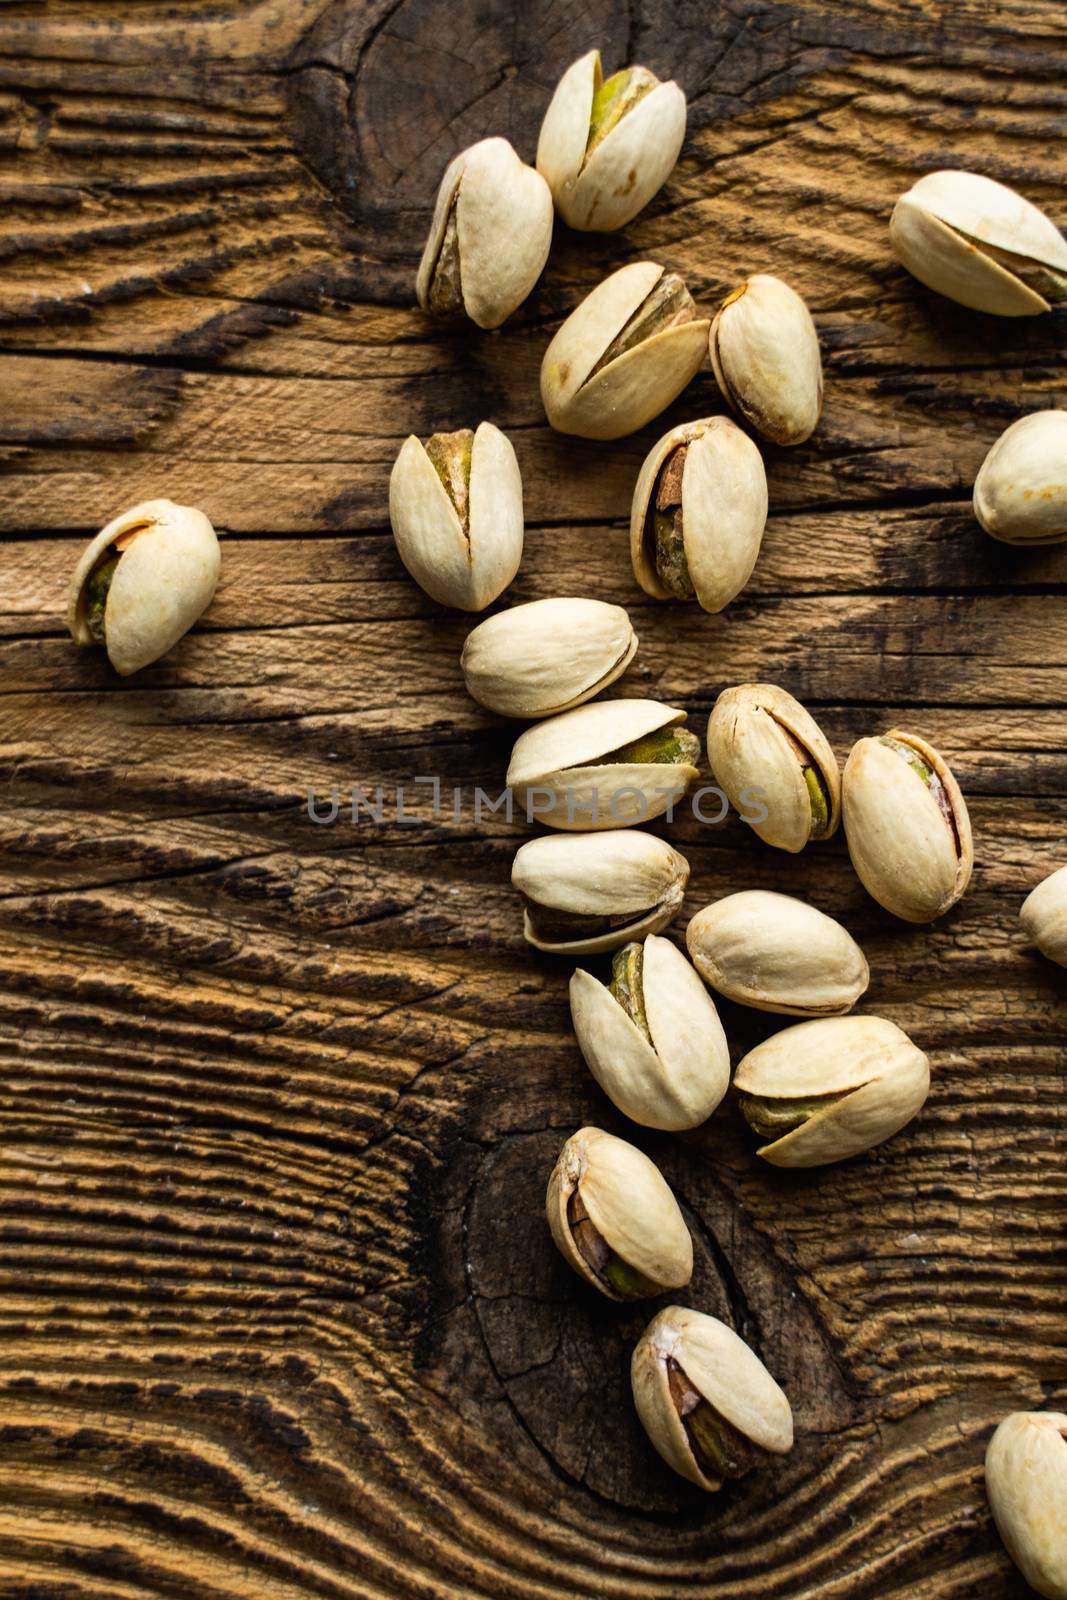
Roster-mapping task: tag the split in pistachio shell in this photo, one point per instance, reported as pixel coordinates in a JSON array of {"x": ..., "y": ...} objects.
[
  {"x": 455, "y": 505},
  {"x": 1020, "y": 493},
  {"x": 605, "y": 765},
  {"x": 587, "y": 893},
  {"x": 143, "y": 581},
  {"x": 698, "y": 514},
  {"x": 777, "y": 954},
  {"x": 652, "y": 1037},
  {"x": 706, "y": 1400},
  {"x": 624, "y": 354},
  {"x": 825, "y": 1090},
  {"x": 547, "y": 656},
  {"x": 765, "y": 354},
  {"x": 906, "y": 822},
  {"x": 490, "y": 236},
  {"x": 979, "y": 243},
  {"x": 1026, "y": 1481},
  {"x": 761, "y": 740},
  {"x": 606, "y": 147},
  {"x": 1044, "y": 916},
  {"x": 614, "y": 1219}
]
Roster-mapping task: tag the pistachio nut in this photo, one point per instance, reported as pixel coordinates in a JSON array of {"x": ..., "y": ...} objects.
[
  {"x": 1044, "y": 916},
  {"x": 698, "y": 514},
  {"x": 762, "y": 743},
  {"x": 624, "y": 354},
  {"x": 489, "y": 238},
  {"x": 547, "y": 656},
  {"x": 587, "y": 893},
  {"x": 1026, "y": 1481},
  {"x": 652, "y": 1037},
  {"x": 605, "y": 148},
  {"x": 455, "y": 505},
  {"x": 706, "y": 1400},
  {"x": 907, "y": 826},
  {"x": 765, "y": 354},
  {"x": 980, "y": 244},
  {"x": 615, "y": 1220},
  {"x": 825, "y": 1090},
  {"x": 775, "y": 953},
  {"x": 1020, "y": 493},
  {"x": 605, "y": 765},
  {"x": 143, "y": 581}
]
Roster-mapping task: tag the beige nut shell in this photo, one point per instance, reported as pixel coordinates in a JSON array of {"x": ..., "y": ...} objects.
[
  {"x": 1044, "y": 916},
  {"x": 1020, "y": 493},
  {"x": 775, "y": 953},
  {"x": 765, "y": 354},
  {"x": 547, "y": 656},
  {"x": 1026, "y": 1481},
  {"x": 749, "y": 747},
  {"x": 613, "y": 874}
]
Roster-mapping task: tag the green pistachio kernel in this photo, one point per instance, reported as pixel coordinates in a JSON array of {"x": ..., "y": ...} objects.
[
  {"x": 673, "y": 747},
  {"x": 628, "y": 986},
  {"x": 616, "y": 96},
  {"x": 774, "y": 1116},
  {"x": 96, "y": 593},
  {"x": 451, "y": 454},
  {"x": 913, "y": 758},
  {"x": 820, "y": 804},
  {"x": 627, "y": 1281},
  {"x": 667, "y": 305},
  {"x": 721, "y": 1450},
  {"x": 446, "y": 284}
]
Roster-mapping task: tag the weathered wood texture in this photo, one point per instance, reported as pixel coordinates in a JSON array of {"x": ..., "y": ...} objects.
[{"x": 279, "y": 1314}]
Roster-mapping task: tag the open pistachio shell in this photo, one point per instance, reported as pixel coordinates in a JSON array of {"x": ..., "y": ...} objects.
[
  {"x": 1020, "y": 493},
  {"x": 761, "y": 739},
  {"x": 588, "y": 389},
  {"x": 765, "y": 355},
  {"x": 1044, "y": 916},
  {"x": 605, "y": 765},
  {"x": 489, "y": 238},
  {"x": 672, "y": 1073},
  {"x": 605, "y": 149},
  {"x": 143, "y": 581},
  {"x": 627, "y": 1237},
  {"x": 462, "y": 544},
  {"x": 686, "y": 1356},
  {"x": 778, "y": 954},
  {"x": 546, "y": 656},
  {"x": 1026, "y": 1481},
  {"x": 586, "y": 893},
  {"x": 979, "y": 243}
]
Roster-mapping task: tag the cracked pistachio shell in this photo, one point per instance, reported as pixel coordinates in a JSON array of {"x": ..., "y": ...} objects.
[
  {"x": 873, "y": 1077},
  {"x": 673, "y": 1079},
  {"x": 166, "y": 576},
  {"x": 634, "y": 386},
  {"x": 600, "y": 182},
  {"x": 493, "y": 216},
  {"x": 971, "y": 239},
  {"x": 559, "y": 774},
  {"x": 629, "y": 1203},
  {"x": 1020, "y": 493},
  {"x": 909, "y": 836},
  {"x": 726, "y": 1373},
  {"x": 614, "y": 886},
  {"x": 723, "y": 504},
  {"x": 765, "y": 353},
  {"x": 760, "y": 738},
  {"x": 462, "y": 560},
  {"x": 1044, "y": 916},
  {"x": 1026, "y": 1481},
  {"x": 546, "y": 656},
  {"x": 775, "y": 953}
]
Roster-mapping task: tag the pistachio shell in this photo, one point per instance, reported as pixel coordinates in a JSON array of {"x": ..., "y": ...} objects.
[
  {"x": 503, "y": 220},
  {"x": 465, "y": 562},
  {"x": 599, "y": 186},
  {"x": 879, "y": 1078},
  {"x": 726, "y": 1373},
  {"x": 1044, "y": 916},
  {"x": 948, "y": 229},
  {"x": 673, "y": 1080},
  {"x": 547, "y": 656},
  {"x": 1020, "y": 493},
  {"x": 633, "y": 387},
  {"x": 909, "y": 856},
  {"x": 777, "y": 954},
  {"x": 165, "y": 578},
  {"x": 626, "y": 877},
  {"x": 765, "y": 354},
  {"x": 724, "y": 510},
  {"x": 753, "y": 736},
  {"x": 629, "y": 1203},
  {"x": 1026, "y": 1481}
]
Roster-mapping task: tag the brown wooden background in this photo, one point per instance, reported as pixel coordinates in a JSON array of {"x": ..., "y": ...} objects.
[{"x": 280, "y": 1317}]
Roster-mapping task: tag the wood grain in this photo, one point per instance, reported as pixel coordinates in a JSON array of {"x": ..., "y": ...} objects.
[{"x": 279, "y": 1315}]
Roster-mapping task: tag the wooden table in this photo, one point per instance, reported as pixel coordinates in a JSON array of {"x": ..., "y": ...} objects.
[{"x": 280, "y": 1314}]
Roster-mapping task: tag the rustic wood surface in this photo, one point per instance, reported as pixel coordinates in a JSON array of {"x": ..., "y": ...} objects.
[{"x": 279, "y": 1315}]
